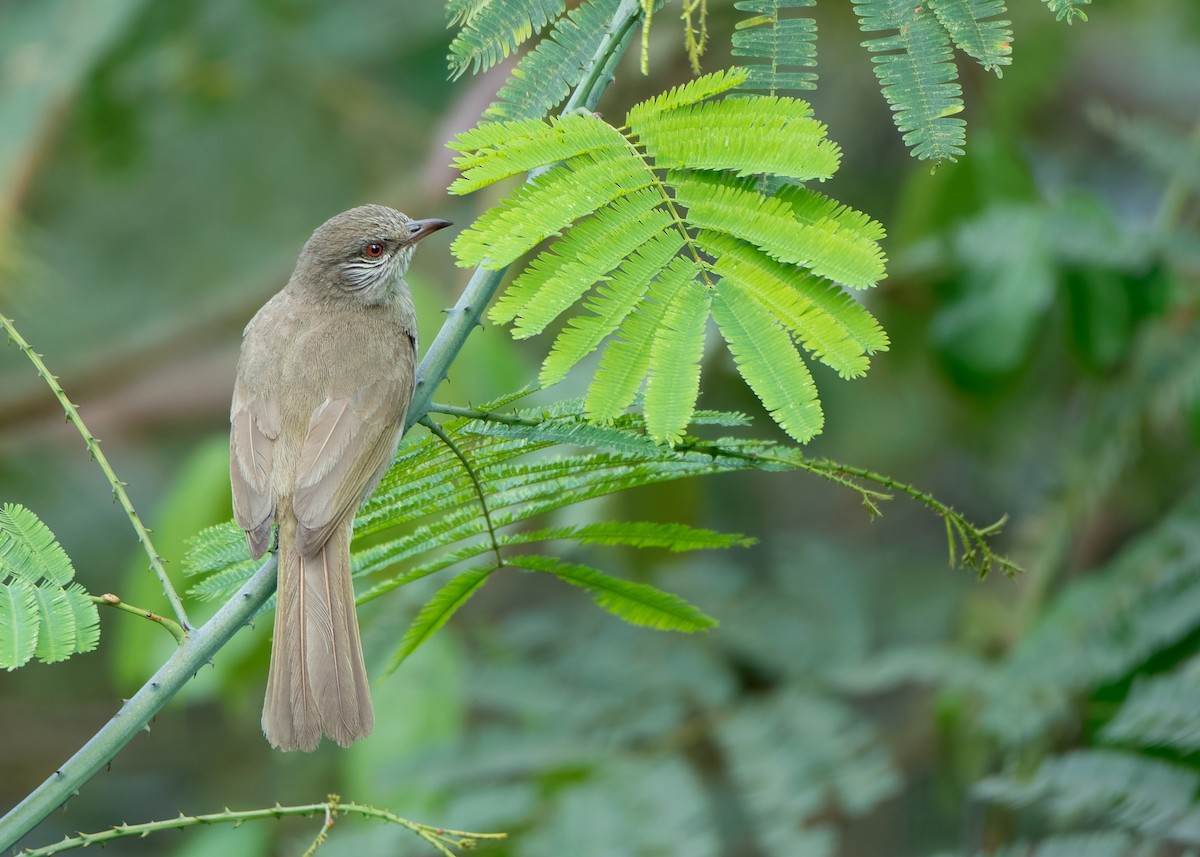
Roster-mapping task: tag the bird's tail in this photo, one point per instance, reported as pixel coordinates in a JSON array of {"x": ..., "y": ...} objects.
[{"x": 317, "y": 682}]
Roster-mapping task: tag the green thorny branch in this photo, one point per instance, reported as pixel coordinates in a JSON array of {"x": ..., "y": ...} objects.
[
  {"x": 968, "y": 543},
  {"x": 93, "y": 448},
  {"x": 439, "y": 837},
  {"x": 200, "y": 645}
]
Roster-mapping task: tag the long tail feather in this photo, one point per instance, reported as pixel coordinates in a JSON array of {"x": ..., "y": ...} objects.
[{"x": 317, "y": 682}]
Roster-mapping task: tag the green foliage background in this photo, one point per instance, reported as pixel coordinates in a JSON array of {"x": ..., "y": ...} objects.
[{"x": 160, "y": 164}]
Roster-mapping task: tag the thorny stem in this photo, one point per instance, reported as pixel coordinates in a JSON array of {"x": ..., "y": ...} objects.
[
  {"x": 200, "y": 645},
  {"x": 110, "y": 600},
  {"x": 487, "y": 515},
  {"x": 439, "y": 837},
  {"x": 93, "y": 448},
  {"x": 961, "y": 533}
]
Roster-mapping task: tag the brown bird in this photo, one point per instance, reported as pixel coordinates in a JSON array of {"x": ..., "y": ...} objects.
[{"x": 323, "y": 384}]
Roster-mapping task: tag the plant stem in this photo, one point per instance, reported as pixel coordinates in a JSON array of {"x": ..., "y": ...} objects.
[
  {"x": 93, "y": 447},
  {"x": 200, "y": 645},
  {"x": 109, "y": 600},
  {"x": 437, "y": 836},
  {"x": 467, "y": 312},
  {"x": 197, "y": 649}
]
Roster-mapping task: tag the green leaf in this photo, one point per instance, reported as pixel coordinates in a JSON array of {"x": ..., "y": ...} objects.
[
  {"x": 636, "y": 603},
  {"x": 838, "y": 330},
  {"x": 786, "y": 43},
  {"x": 782, "y": 228},
  {"x": 751, "y": 135},
  {"x": 973, "y": 26},
  {"x": 672, "y": 536},
  {"x": 674, "y": 381},
  {"x": 560, "y": 275},
  {"x": 610, "y": 305},
  {"x": 56, "y": 616},
  {"x": 768, "y": 361},
  {"x": 439, "y": 609},
  {"x": 499, "y": 150},
  {"x": 29, "y": 550},
  {"x": 547, "y": 204},
  {"x": 493, "y": 29},
  {"x": 18, "y": 622},
  {"x": 543, "y": 77},
  {"x": 627, "y": 358},
  {"x": 42, "y": 613},
  {"x": 918, "y": 77},
  {"x": 692, "y": 92}
]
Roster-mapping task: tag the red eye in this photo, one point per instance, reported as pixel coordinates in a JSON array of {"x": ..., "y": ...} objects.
[{"x": 373, "y": 250}]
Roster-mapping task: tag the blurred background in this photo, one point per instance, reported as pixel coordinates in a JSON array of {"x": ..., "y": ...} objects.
[{"x": 162, "y": 163}]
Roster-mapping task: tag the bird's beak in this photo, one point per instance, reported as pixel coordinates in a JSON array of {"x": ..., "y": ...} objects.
[{"x": 418, "y": 229}]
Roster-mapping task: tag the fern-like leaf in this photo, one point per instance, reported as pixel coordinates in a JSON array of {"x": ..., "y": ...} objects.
[
  {"x": 43, "y": 614},
  {"x": 838, "y": 330},
  {"x": 1160, "y": 712},
  {"x": 609, "y": 306},
  {"x": 917, "y": 74},
  {"x": 819, "y": 244},
  {"x": 749, "y": 136},
  {"x": 1130, "y": 792},
  {"x": 787, "y": 44},
  {"x": 976, "y": 31},
  {"x": 493, "y": 29},
  {"x": 18, "y": 622},
  {"x": 627, "y": 358},
  {"x": 633, "y": 207},
  {"x": 636, "y": 603},
  {"x": 674, "y": 381},
  {"x": 543, "y": 77},
  {"x": 768, "y": 361},
  {"x": 437, "y": 612}
]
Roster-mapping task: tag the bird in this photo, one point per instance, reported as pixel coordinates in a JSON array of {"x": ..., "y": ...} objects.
[{"x": 324, "y": 380}]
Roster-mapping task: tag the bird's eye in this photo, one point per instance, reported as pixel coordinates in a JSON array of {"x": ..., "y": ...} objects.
[{"x": 373, "y": 250}]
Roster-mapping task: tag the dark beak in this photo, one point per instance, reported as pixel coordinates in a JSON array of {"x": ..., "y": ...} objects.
[{"x": 418, "y": 229}]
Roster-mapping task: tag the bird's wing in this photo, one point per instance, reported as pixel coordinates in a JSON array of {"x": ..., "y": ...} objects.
[
  {"x": 254, "y": 428},
  {"x": 350, "y": 441}
]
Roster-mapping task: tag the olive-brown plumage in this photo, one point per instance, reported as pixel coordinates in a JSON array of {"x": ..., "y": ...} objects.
[{"x": 323, "y": 384}]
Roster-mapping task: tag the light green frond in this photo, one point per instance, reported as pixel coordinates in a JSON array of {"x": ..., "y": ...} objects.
[
  {"x": 439, "y": 609},
  {"x": 1068, "y": 9},
  {"x": 56, "y": 636},
  {"x": 674, "y": 537},
  {"x": 751, "y": 135},
  {"x": 786, "y": 44},
  {"x": 43, "y": 614},
  {"x": 1160, "y": 712},
  {"x": 29, "y": 550},
  {"x": 976, "y": 31},
  {"x": 590, "y": 250},
  {"x": 812, "y": 208},
  {"x": 215, "y": 547},
  {"x": 490, "y": 155},
  {"x": 918, "y": 78},
  {"x": 825, "y": 247},
  {"x": 838, "y": 330},
  {"x": 546, "y": 205},
  {"x": 609, "y": 306},
  {"x": 674, "y": 381},
  {"x": 543, "y": 77},
  {"x": 1134, "y": 792},
  {"x": 769, "y": 362},
  {"x": 636, "y": 603},
  {"x": 460, "y": 11},
  {"x": 493, "y": 29},
  {"x": 18, "y": 622},
  {"x": 626, "y": 358},
  {"x": 705, "y": 86},
  {"x": 87, "y": 619}
]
